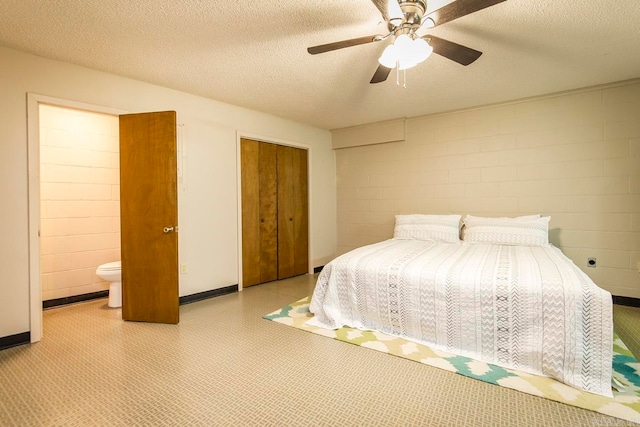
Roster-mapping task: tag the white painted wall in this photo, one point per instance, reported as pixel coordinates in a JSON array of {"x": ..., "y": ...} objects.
[
  {"x": 207, "y": 205},
  {"x": 573, "y": 156}
]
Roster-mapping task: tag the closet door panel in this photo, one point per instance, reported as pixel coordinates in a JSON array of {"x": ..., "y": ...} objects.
[
  {"x": 286, "y": 246},
  {"x": 268, "y": 213},
  {"x": 300, "y": 212},
  {"x": 250, "y": 176}
]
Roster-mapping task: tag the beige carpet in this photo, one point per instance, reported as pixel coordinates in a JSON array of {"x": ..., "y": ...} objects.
[
  {"x": 625, "y": 403},
  {"x": 225, "y": 365}
]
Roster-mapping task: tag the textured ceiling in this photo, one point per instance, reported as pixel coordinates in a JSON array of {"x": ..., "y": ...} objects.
[{"x": 253, "y": 53}]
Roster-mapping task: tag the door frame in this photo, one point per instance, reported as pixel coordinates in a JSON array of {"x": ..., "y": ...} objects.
[
  {"x": 261, "y": 138},
  {"x": 33, "y": 168}
]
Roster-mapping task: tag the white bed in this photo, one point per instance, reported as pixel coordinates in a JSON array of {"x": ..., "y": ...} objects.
[{"x": 525, "y": 307}]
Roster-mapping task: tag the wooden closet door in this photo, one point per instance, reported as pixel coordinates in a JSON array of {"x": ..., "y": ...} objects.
[
  {"x": 293, "y": 246},
  {"x": 259, "y": 212}
]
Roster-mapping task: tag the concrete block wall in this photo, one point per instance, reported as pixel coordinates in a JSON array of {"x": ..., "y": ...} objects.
[
  {"x": 573, "y": 156},
  {"x": 79, "y": 193}
]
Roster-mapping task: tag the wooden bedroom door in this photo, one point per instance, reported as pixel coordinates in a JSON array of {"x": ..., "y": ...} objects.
[
  {"x": 274, "y": 212},
  {"x": 149, "y": 217}
]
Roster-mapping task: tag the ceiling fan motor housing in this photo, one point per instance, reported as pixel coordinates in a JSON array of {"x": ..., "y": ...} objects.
[{"x": 413, "y": 11}]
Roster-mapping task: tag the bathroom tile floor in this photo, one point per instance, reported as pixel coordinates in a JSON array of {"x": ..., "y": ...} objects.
[{"x": 225, "y": 365}]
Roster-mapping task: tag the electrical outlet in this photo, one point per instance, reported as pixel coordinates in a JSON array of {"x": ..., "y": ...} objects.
[
  {"x": 591, "y": 262},
  {"x": 183, "y": 268}
]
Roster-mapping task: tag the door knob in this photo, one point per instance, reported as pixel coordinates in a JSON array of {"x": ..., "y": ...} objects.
[{"x": 167, "y": 230}]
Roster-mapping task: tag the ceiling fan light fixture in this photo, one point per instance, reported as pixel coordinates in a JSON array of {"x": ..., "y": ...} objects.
[
  {"x": 389, "y": 57},
  {"x": 405, "y": 52},
  {"x": 422, "y": 50},
  {"x": 404, "y": 45},
  {"x": 404, "y": 64}
]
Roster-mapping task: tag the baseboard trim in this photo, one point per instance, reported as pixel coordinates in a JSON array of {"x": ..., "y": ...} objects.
[
  {"x": 15, "y": 340},
  {"x": 188, "y": 299},
  {"x": 73, "y": 299},
  {"x": 318, "y": 269},
  {"x": 628, "y": 301}
]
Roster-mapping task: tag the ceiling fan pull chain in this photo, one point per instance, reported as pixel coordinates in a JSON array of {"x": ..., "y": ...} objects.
[{"x": 402, "y": 79}]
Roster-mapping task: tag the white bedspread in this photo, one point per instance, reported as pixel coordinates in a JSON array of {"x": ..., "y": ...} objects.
[{"x": 522, "y": 307}]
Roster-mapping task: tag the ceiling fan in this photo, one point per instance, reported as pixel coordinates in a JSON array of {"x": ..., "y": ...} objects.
[{"x": 404, "y": 20}]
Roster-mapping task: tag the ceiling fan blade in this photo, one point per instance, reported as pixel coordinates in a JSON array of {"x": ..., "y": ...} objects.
[
  {"x": 383, "y": 7},
  {"x": 458, "y": 9},
  {"x": 390, "y": 11},
  {"x": 314, "y": 50},
  {"x": 453, "y": 51},
  {"x": 381, "y": 74}
]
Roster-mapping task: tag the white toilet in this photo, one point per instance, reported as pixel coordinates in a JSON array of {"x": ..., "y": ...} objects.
[{"x": 112, "y": 272}]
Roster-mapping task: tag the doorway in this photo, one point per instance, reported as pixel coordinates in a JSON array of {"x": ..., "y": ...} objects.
[
  {"x": 35, "y": 263},
  {"x": 33, "y": 150},
  {"x": 79, "y": 200}
]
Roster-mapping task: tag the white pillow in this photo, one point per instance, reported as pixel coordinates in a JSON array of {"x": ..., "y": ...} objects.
[
  {"x": 527, "y": 217},
  {"x": 441, "y": 228},
  {"x": 518, "y": 218},
  {"x": 507, "y": 231}
]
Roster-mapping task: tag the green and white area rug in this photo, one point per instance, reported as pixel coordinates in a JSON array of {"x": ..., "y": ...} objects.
[{"x": 625, "y": 403}]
